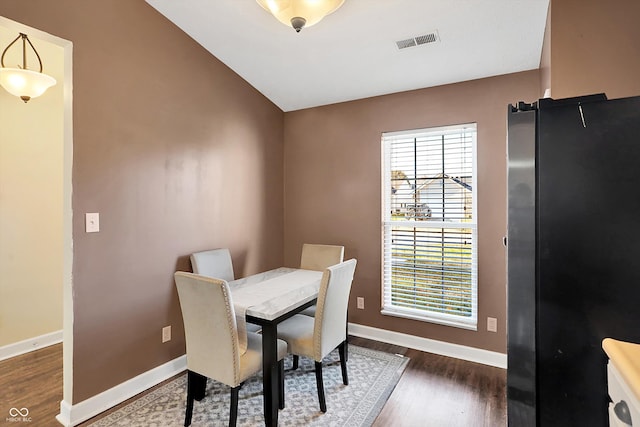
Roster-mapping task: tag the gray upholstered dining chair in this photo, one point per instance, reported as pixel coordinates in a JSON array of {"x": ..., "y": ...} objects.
[
  {"x": 318, "y": 257},
  {"x": 316, "y": 337},
  {"x": 213, "y": 263},
  {"x": 216, "y": 263},
  {"x": 211, "y": 335}
]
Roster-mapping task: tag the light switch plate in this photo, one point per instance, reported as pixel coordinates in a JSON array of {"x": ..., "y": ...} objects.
[{"x": 92, "y": 222}]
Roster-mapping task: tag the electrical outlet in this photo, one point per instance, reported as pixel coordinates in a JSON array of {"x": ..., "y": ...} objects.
[
  {"x": 166, "y": 334},
  {"x": 360, "y": 302},
  {"x": 492, "y": 324}
]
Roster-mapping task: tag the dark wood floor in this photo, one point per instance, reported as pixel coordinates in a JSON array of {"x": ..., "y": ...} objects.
[
  {"x": 33, "y": 381},
  {"x": 440, "y": 391},
  {"x": 434, "y": 390}
]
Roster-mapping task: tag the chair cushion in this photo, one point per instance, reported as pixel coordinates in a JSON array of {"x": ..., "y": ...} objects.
[
  {"x": 251, "y": 327},
  {"x": 309, "y": 311},
  {"x": 297, "y": 331},
  {"x": 251, "y": 360}
]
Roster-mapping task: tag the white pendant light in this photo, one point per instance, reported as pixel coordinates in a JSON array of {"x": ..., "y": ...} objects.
[
  {"x": 300, "y": 13},
  {"x": 20, "y": 81}
]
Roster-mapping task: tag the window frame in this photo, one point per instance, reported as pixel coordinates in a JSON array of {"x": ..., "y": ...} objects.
[{"x": 387, "y": 307}]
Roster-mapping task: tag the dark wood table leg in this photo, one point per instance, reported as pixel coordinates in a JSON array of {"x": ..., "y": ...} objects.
[{"x": 270, "y": 374}]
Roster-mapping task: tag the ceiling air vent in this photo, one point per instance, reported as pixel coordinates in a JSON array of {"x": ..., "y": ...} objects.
[
  {"x": 403, "y": 44},
  {"x": 418, "y": 40}
]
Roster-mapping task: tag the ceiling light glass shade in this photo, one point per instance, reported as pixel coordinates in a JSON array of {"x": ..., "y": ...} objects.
[
  {"x": 300, "y": 13},
  {"x": 25, "y": 84}
]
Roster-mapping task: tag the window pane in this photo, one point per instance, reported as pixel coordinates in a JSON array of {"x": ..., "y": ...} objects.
[
  {"x": 430, "y": 233},
  {"x": 431, "y": 269}
]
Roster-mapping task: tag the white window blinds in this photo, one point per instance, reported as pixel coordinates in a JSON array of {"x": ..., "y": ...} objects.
[{"x": 429, "y": 222}]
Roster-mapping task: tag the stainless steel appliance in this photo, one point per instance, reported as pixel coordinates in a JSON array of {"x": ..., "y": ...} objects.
[{"x": 573, "y": 254}]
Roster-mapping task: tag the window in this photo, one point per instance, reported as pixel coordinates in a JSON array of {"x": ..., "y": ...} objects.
[{"x": 429, "y": 222}]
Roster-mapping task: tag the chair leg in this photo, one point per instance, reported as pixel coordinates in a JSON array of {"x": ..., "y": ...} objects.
[
  {"x": 346, "y": 340},
  {"x": 233, "y": 416},
  {"x": 342, "y": 350},
  {"x": 189, "y": 412},
  {"x": 200, "y": 386},
  {"x": 281, "y": 384},
  {"x": 196, "y": 387},
  {"x": 320, "y": 385},
  {"x": 296, "y": 360}
]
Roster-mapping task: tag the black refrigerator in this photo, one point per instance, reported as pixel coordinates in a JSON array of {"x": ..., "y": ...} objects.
[{"x": 573, "y": 254}]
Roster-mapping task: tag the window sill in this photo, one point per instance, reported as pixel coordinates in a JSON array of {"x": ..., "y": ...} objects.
[{"x": 471, "y": 325}]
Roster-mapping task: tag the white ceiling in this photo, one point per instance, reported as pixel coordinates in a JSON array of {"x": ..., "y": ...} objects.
[{"x": 352, "y": 54}]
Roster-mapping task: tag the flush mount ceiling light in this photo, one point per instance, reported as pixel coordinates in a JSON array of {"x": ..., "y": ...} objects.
[
  {"x": 300, "y": 13},
  {"x": 20, "y": 81}
]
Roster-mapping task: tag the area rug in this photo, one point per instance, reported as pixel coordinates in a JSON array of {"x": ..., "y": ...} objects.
[{"x": 372, "y": 377}]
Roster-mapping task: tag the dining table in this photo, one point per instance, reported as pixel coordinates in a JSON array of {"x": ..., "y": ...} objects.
[{"x": 267, "y": 299}]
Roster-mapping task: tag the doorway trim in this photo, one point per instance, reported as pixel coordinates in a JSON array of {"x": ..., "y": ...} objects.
[{"x": 67, "y": 216}]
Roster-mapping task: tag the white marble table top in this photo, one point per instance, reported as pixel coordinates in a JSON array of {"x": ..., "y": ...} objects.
[{"x": 273, "y": 293}]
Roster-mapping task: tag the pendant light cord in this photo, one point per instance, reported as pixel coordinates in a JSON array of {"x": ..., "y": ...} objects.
[{"x": 25, "y": 39}]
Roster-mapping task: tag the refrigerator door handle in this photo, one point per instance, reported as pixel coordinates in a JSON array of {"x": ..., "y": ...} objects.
[{"x": 621, "y": 409}]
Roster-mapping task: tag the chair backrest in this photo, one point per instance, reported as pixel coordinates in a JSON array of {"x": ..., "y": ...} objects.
[
  {"x": 319, "y": 257},
  {"x": 213, "y": 263},
  {"x": 210, "y": 328},
  {"x": 331, "y": 312}
]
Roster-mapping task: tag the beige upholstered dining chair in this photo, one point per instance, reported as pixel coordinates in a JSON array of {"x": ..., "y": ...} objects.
[
  {"x": 315, "y": 337},
  {"x": 211, "y": 336},
  {"x": 216, "y": 263},
  {"x": 319, "y": 257}
]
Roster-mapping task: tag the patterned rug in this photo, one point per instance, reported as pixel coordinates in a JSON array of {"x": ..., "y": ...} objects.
[{"x": 372, "y": 377}]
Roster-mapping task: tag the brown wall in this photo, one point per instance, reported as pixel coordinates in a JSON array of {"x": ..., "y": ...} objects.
[
  {"x": 545, "y": 57},
  {"x": 177, "y": 154},
  {"x": 595, "y": 47},
  {"x": 333, "y": 188}
]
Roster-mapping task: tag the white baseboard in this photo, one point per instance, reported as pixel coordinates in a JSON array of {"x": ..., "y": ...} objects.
[
  {"x": 31, "y": 344},
  {"x": 71, "y": 415},
  {"x": 442, "y": 348}
]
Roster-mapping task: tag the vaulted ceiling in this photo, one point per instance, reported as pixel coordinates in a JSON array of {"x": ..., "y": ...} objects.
[{"x": 354, "y": 53}]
